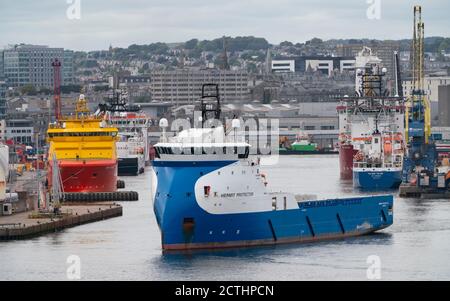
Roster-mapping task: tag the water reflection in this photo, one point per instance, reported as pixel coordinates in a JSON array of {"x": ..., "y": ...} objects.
[
  {"x": 378, "y": 238},
  {"x": 129, "y": 247}
]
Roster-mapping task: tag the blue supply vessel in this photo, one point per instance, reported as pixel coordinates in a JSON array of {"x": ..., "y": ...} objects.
[
  {"x": 377, "y": 178},
  {"x": 379, "y": 164},
  {"x": 375, "y": 122},
  {"x": 213, "y": 194}
]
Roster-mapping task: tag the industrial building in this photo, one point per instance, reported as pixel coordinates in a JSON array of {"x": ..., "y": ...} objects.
[
  {"x": 444, "y": 105},
  {"x": 136, "y": 85},
  {"x": 283, "y": 66},
  {"x": 2, "y": 109},
  {"x": 431, "y": 86},
  {"x": 2, "y": 70},
  {"x": 20, "y": 131},
  {"x": 318, "y": 120},
  {"x": 31, "y": 65},
  {"x": 3, "y": 88},
  {"x": 67, "y": 66},
  {"x": 184, "y": 86},
  {"x": 323, "y": 64},
  {"x": 382, "y": 49}
]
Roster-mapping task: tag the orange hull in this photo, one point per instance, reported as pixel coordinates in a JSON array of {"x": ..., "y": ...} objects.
[{"x": 87, "y": 175}]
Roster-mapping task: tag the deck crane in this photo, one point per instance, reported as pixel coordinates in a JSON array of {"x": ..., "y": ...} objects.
[{"x": 420, "y": 167}]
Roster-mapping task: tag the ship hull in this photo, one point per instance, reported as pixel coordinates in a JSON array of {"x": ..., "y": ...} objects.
[
  {"x": 377, "y": 179},
  {"x": 130, "y": 166},
  {"x": 184, "y": 225},
  {"x": 304, "y": 148},
  {"x": 87, "y": 175},
  {"x": 346, "y": 154}
]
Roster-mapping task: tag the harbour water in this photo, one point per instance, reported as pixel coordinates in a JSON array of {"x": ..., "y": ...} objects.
[{"x": 128, "y": 247}]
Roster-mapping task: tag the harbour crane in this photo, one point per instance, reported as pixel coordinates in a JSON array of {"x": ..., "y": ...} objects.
[
  {"x": 56, "y": 64},
  {"x": 420, "y": 167}
]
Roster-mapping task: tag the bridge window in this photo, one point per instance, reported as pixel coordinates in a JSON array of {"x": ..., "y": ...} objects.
[
  {"x": 246, "y": 152},
  {"x": 82, "y": 134},
  {"x": 242, "y": 152}
]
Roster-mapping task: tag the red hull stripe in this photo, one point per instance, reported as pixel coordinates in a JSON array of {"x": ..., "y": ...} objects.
[{"x": 243, "y": 244}]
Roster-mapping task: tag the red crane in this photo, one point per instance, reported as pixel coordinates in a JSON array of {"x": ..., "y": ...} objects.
[{"x": 56, "y": 64}]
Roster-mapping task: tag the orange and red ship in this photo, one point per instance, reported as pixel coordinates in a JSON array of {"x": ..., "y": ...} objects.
[{"x": 85, "y": 149}]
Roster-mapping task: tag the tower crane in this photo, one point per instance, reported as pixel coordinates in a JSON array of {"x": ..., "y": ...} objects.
[{"x": 56, "y": 64}]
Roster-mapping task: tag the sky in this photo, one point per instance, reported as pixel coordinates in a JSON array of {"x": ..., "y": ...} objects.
[{"x": 120, "y": 23}]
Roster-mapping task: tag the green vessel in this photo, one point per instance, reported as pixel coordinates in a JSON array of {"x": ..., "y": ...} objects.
[{"x": 304, "y": 145}]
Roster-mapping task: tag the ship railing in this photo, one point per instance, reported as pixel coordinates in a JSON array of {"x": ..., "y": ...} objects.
[{"x": 364, "y": 164}]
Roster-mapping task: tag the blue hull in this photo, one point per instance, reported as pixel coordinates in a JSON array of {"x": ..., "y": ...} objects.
[
  {"x": 185, "y": 225},
  {"x": 377, "y": 179}
]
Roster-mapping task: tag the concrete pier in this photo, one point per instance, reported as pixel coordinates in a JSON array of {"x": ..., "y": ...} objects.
[
  {"x": 413, "y": 191},
  {"x": 25, "y": 225}
]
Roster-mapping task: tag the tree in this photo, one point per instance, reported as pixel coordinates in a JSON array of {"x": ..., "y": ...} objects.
[
  {"x": 444, "y": 46},
  {"x": 251, "y": 68},
  {"x": 195, "y": 53},
  {"x": 101, "y": 88},
  {"x": 89, "y": 64},
  {"x": 161, "y": 60},
  {"x": 314, "y": 42},
  {"x": 28, "y": 90},
  {"x": 286, "y": 44},
  {"x": 70, "y": 88},
  {"x": 191, "y": 44},
  {"x": 254, "y": 56},
  {"x": 45, "y": 91},
  {"x": 234, "y": 44}
]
